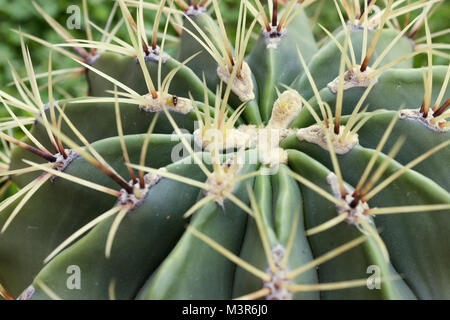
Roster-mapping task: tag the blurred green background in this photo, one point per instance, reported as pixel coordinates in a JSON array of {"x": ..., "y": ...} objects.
[{"x": 20, "y": 14}]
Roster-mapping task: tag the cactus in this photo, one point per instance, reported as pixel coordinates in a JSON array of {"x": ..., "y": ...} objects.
[{"x": 276, "y": 168}]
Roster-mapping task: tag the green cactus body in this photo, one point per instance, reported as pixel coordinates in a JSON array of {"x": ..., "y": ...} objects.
[{"x": 303, "y": 191}]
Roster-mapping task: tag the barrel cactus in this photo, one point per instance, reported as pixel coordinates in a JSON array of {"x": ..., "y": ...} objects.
[{"x": 197, "y": 166}]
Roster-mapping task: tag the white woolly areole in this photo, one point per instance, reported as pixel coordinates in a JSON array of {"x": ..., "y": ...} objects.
[
  {"x": 285, "y": 109},
  {"x": 242, "y": 86},
  {"x": 91, "y": 58},
  {"x": 155, "y": 55},
  {"x": 273, "y": 156},
  {"x": 278, "y": 282},
  {"x": 27, "y": 294},
  {"x": 268, "y": 146},
  {"x": 173, "y": 103},
  {"x": 371, "y": 25},
  {"x": 251, "y": 130},
  {"x": 63, "y": 163},
  {"x": 222, "y": 182},
  {"x": 223, "y": 139},
  {"x": 150, "y": 179},
  {"x": 415, "y": 114},
  {"x": 314, "y": 134},
  {"x": 273, "y": 37},
  {"x": 265, "y": 139},
  {"x": 354, "y": 79},
  {"x": 355, "y": 214},
  {"x": 192, "y": 12}
]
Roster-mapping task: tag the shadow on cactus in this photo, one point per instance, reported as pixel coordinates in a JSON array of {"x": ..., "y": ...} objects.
[{"x": 304, "y": 170}]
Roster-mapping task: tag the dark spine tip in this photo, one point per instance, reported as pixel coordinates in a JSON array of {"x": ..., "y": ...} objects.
[
  {"x": 336, "y": 127},
  {"x": 422, "y": 107},
  {"x": 141, "y": 180},
  {"x": 364, "y": 64},
  {"x": 63, "y": 152},
  {"x": 356, "y": 199},
  {"x": 122, "y": 183},
  {"x": 413, "y": 33},
  {"x": 47, "y": 156},
  {"x": 40, "y": 153},
  {"x": 354, "y": 203},
  {"x": 275, "y": 13},
  {"x": 442, "y": 108},
  {"x": 145, "y": 47}
]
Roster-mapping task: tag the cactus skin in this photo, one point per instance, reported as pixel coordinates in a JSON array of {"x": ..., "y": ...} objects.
[{"x": 154, "y": 256}]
